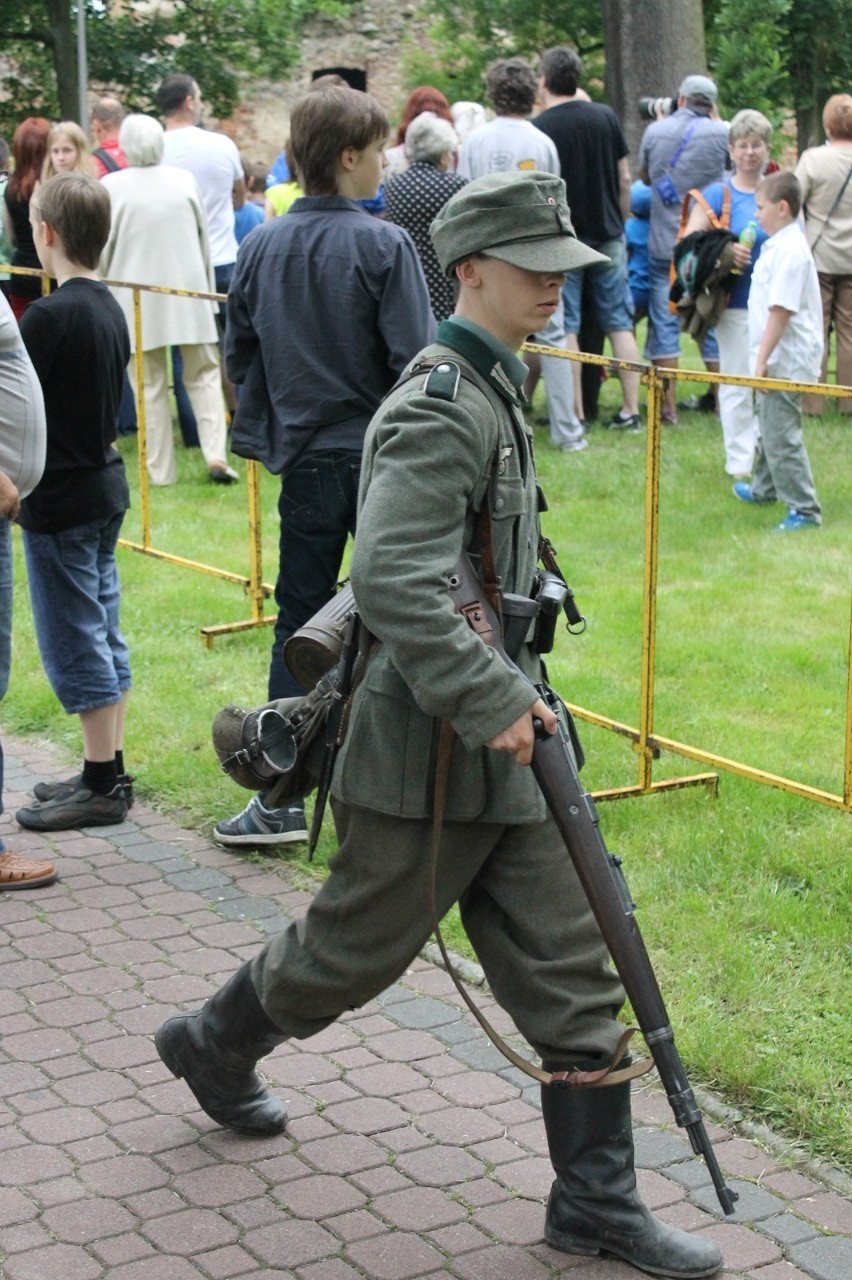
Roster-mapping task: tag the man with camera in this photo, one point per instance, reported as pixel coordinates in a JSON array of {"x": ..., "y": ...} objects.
[{"x": 685, "y": 149}]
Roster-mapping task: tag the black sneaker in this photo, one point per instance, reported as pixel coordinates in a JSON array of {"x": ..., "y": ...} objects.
[
  {"x": 60, "y": 790},
  {"x": 82, "y": 808},
  {"x": 625, "y": 422},
  {"x": 257, "y": 825},
  {"x": 699, "y": 404}
]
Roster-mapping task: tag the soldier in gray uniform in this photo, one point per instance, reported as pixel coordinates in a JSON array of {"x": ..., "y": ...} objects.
[{"x": 446, "y": 440}]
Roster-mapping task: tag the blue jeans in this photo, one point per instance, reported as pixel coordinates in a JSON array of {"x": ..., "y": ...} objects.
[
  {"x": 606, "y": 291},
  {"x": 222, "y": 275},
  {"x": 317, "y": 507},
  {"x": 75, "y": 598},
  {"x": 186, "y": 413},
  {"x": 5, "y": 626},
  {"x": 664, "y": 329}
]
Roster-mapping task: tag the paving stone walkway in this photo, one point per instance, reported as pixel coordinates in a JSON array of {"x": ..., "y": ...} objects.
[{"x": 413, "y": 1149}]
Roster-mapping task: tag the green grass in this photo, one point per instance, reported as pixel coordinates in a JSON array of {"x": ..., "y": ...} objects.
[{"x": 744, "y": 900}]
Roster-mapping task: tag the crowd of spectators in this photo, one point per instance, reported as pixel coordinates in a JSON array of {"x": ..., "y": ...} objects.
[
  {"x": 189, "y": 212},
  {"x": 370, "y": 340}
]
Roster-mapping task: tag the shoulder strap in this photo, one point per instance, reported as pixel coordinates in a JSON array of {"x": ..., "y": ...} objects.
[
  {"x": 716, "y": 222},
  {"x": 837, "y": 200},
  {"x": 109, "y": 162},
  {"x": 681, "y": 147},
  {"x": 725, "y": 220},
  {"x": 444, "y": 384}
]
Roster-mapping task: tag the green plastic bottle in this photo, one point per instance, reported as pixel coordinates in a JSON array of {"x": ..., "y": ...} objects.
[{"x": 747, "y": 236}]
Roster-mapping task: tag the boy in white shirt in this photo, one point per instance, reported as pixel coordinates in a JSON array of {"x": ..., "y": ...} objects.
[{"x": 785, "y": 341}]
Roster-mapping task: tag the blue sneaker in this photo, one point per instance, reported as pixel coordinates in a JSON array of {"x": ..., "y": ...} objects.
[
  {"x": 795, "y": 521},
  {"x": 742, "y": 490},
  {"x": 257, "y": 825}
]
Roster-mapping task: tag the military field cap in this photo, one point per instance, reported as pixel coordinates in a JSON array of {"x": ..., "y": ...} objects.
[
  {"x": 521, "y": 218},
  {"x": 698, "y": 87}
]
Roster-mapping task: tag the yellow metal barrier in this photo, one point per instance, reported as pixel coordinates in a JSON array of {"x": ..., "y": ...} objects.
[
  {"x": 647, "y": 743},
  {"x": 253, "y": 583}
]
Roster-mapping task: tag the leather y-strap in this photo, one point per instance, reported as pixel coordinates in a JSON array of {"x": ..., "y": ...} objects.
[{"x": 610, "y": 1074}]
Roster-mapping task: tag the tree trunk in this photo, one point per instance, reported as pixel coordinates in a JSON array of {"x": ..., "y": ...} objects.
[
  {"x": 808, "y": 96},
  {"x": 650, "y": 46},
  {"x": 64, "y": 54}
]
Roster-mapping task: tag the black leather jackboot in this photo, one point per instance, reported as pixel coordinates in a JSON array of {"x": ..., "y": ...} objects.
[
  {"x": 594, "y": 1205},
  {"x": 215, "y": 1051}
]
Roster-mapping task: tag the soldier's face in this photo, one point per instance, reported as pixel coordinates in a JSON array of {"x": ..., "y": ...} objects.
[{"x": 511, "y": 303}]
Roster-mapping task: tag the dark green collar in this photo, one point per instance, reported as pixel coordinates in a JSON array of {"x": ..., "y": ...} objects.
[{"x": 489, "y": 357}]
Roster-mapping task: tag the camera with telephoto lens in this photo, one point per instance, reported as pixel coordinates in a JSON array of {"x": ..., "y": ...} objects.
[{"x": 653, "y": 108}]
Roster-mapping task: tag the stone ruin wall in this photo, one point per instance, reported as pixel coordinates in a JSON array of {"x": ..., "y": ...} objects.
[{"x": 369, "y": 40}]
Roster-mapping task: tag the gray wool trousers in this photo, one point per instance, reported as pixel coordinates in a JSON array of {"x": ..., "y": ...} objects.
[{"x": 522, "y": 907}]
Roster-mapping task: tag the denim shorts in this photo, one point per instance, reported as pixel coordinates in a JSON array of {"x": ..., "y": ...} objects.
[
  {"x": 606, "y": 289},
  {"x": 664, "y": 329},
  {"x": 75, "y": 598}
]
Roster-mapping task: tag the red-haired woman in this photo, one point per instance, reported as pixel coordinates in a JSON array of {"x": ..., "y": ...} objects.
[
  {"x": 424, "y": 98},
  {"x": 29, "y": 147}
]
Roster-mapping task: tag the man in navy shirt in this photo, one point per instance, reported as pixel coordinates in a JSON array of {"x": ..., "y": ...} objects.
[{"x": 326, "y": 308}]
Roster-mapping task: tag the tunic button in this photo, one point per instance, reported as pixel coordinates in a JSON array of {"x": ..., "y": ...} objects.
[{"x": 498, "y": 505}]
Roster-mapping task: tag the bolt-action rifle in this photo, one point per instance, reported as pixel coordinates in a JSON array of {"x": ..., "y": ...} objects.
[{"x": 599, "y": 871}]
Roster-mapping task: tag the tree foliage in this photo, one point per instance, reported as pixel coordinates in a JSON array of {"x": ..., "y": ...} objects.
[
  {"x": 783, "y": 57},
  {"x": 466, "y": 37},
  {"x": 131, "y": 48},
  {"x": 748, "y": 59}
]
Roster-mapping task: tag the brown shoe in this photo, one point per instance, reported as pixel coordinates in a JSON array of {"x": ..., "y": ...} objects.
[{"x": 17, "y": 872}]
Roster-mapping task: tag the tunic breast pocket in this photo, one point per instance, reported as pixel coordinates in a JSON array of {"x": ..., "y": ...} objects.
[{"x": 509, "y": 500}]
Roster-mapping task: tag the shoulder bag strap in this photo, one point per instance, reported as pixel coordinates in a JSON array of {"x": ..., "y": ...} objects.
[
  {"x": 837, "y": 200},
  {"x": 716, "y": 222},
  {"x": 686, "y": 138},
  {"x": 109, "y": 162}
]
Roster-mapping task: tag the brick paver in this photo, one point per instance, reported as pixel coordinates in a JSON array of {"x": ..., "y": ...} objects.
[{"x": 413, "y": 1150}]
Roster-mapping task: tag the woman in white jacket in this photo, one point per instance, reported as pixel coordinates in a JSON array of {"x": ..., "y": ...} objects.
[{"x": 159, "y": 237}]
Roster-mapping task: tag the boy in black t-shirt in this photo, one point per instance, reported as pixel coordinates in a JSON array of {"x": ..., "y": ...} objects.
[{"x": 78, "y": 341}]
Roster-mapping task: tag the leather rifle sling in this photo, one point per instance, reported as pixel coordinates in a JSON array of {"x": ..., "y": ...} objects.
[{"x": 610, "y": 1074}]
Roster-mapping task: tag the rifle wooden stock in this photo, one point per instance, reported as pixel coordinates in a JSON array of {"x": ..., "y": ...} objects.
[{"x": 599, "y": 871}]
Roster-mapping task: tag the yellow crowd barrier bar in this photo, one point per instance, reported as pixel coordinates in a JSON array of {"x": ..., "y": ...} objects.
[
  {"x": 256, "y": 589},
  {"x": 647, "y": 743},
  {"x": 253, "y": 583}
]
